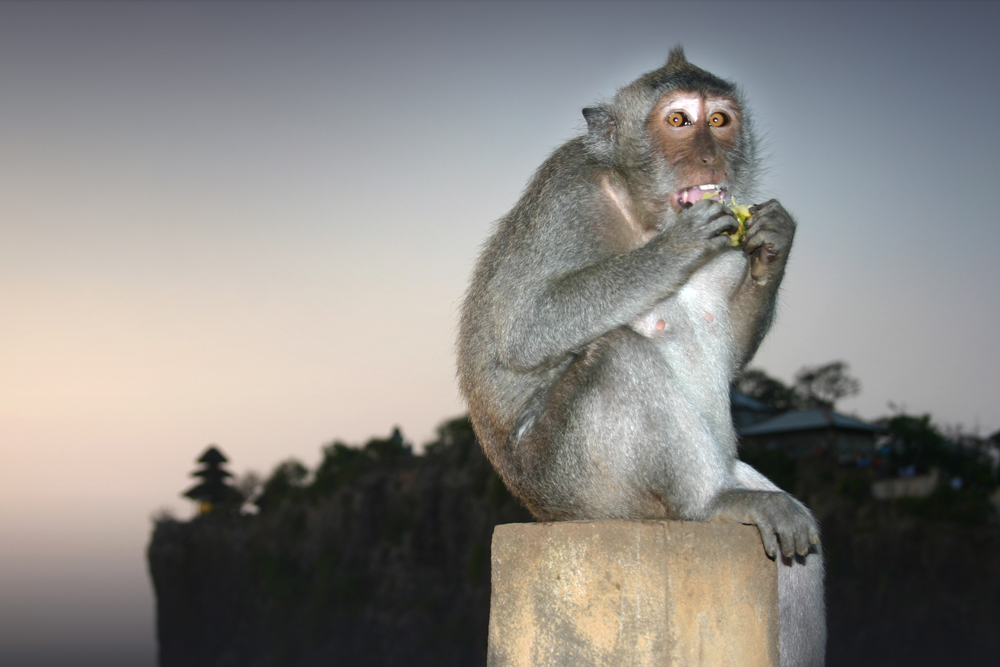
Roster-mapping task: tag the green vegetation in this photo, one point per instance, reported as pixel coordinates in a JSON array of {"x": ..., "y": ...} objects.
[
  {"x": 814, "y": 387},
  {"x": 376, "y": 557},
  {"x": 915, "y": 441},
  {"x": 380, "y": 557}
]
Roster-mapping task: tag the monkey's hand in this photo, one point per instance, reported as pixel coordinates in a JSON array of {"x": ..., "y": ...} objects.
[
  {"x": 780, "y": 518},
  {"x": 768, "y": 239},
  {"x": 699, "y": 232}
]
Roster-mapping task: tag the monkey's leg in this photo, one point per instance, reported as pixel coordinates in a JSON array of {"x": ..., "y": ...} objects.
[
  {"x": 618, "y": 437},
  {"x": 802, "y": 608}
]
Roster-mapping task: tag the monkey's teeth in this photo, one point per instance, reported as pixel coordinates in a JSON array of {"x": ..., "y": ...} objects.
[{"x": 689, "y": 196}]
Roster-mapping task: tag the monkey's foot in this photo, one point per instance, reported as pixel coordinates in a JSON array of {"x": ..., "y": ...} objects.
[{"x": 781, "y": 519}]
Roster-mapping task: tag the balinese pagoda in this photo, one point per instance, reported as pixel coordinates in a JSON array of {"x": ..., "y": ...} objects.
[{"x": 213, "y": 489}]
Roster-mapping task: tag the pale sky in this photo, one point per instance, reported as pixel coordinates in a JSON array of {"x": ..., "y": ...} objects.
[{"x": 252, "y": 224}]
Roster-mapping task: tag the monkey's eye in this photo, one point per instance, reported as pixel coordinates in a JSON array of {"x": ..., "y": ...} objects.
[
  {"x": 678, "y": 118},
  {"x": 718, "y": 119}
]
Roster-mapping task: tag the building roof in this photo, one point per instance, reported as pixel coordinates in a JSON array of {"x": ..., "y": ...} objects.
[
  {"x": 210, "y": 472},
  {"x": 740, "y": 400},
  {"x": 212, "y": 492},
  {"x": 212, "y": 455},
  {"x": 806, "y": 420}
]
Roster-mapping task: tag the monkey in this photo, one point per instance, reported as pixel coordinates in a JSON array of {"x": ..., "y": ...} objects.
[{"x": 608, "y": 314}]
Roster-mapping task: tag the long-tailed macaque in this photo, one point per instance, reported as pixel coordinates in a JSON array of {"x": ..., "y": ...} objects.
[{"x": 608, "y": 315}]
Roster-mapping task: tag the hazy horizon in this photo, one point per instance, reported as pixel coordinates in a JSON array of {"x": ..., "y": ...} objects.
[{"x": 251, "y": 224}]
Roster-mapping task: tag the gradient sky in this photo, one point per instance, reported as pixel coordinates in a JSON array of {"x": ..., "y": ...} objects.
[{"x": 252, "y": 225}]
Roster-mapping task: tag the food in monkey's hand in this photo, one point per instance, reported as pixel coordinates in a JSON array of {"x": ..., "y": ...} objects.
[{"x": 742, "y": 214}]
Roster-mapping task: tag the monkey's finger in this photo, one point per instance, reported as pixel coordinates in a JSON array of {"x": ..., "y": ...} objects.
[
  {"x": 787, "y": 539},
  {"x": 722, "y": 222},
  {"x": 770, "y": 540},
  {"x": 802, "y": 544},
  {"x": 725, "y": 231},
  {"x": 721, "y": 240},
  {"x": 756, "y": 208},
  {"x": 753, "y": 239}
]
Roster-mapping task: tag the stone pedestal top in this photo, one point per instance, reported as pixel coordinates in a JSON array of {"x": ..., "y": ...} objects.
[{"x": 623, "y": 593}]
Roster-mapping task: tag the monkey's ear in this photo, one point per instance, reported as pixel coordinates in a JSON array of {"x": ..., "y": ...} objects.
[{"x": 600, "y": 122}]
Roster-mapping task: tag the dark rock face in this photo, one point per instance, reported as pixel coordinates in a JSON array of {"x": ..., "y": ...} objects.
[
  {"x": 389, "y": 567},
  {"x": 384, "y": 560},
  {"x": 909, "y": 583},
  {"x": 905, "y": 590}
]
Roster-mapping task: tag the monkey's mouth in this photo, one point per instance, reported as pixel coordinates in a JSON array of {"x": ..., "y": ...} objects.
[{"x": 689, "y": 196}]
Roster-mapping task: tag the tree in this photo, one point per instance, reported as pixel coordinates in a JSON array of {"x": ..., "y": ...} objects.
[
  {"x": 815, "y": 387},
  {"x": 917, "y": 441},
  {"x": 755, "y": 383},
  {"x": 822, "y": 386},
  {"x": 287, "y": 481},
  {"x": 343, "y": 463}
]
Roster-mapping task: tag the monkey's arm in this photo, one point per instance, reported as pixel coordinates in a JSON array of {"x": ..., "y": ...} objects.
[
  {"x": 767, "y": 242},
  {"x": 569, "y": 309}
]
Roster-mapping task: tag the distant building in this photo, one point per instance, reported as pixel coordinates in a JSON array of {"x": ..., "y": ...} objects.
[
  {"x": 909, "y": 486},
  {"x": 213, "y": 489},
  {"x": 747, "y": 410},
  {"x": 818, "y": 431}
]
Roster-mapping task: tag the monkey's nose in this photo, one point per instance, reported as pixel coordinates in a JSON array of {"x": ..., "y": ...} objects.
[{"x": 709, "y": 158}]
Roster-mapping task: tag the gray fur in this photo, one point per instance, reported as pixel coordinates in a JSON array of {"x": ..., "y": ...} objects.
[{"x": 584, "y": 405}]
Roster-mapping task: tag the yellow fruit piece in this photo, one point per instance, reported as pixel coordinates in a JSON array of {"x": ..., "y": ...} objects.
[
  {"x": 736, "y": 238},
  {"x": 742, "y": 214}
]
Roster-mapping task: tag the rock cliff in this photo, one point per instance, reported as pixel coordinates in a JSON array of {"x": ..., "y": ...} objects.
[
  {"x": 381, "y": 558},
  {"x": 386, "y": 565}
]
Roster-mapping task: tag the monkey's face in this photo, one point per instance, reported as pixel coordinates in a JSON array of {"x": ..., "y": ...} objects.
[{"x": 695, "y": 134}]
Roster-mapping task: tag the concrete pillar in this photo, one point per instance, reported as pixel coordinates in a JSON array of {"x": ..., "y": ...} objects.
[{"x": 624, "y": 593}]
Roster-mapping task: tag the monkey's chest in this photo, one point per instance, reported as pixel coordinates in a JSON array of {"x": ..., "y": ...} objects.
[{"x": 697, "y": 319}]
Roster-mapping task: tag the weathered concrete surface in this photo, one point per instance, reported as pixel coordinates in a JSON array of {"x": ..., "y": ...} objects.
[{"x": 623, "y": 593}]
